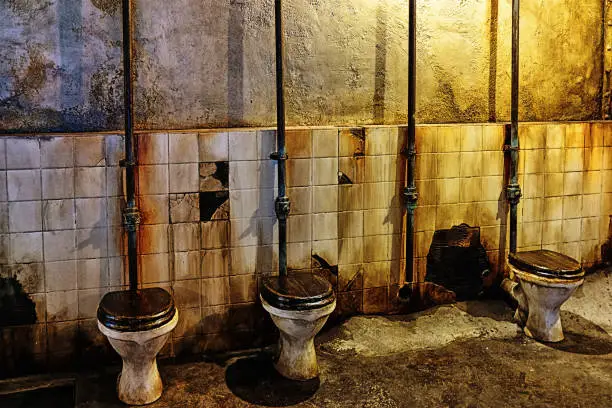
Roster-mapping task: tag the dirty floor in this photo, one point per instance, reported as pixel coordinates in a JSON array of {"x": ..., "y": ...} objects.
[{"x": 466, "y": 355}]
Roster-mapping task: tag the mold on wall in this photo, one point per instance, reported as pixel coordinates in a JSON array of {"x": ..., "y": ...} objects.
[
  {"x": 60, "y": 65},
  {"x": 211, "y": 63},
  {"x": 561, "y": 60}
]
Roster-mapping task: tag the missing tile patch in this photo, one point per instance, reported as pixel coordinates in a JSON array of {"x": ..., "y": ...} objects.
[
  {"x": 214, "y": 176},
  {"x": 323, "y": 264},
  {"x": 344, "y": 179},
  {"x": 352, "y": 142},
  {"x": 214, "y": 205},
  {"x": 184, "y": 207}
]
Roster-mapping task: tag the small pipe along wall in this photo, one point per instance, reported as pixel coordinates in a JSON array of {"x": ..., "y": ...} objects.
[
  {"x": 131, "y": 213},
  {"x": 513, "y": 190},
  {"x": 410, "y": 191},
  {"x": 282, "y": 204}
]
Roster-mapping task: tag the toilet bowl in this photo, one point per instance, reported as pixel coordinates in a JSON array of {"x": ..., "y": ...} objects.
[
  {"x": 137, "y": 325},
  {"x": 541, "y": 281},
  {"x": 299, "y": 305}
]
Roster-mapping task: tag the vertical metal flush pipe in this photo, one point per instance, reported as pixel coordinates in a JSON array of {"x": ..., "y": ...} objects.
[
  {"x": 513, "y": 191},
  {"x": 131, "y": 217},
  {"x": 410, "y": 191},
  {"x": 282, "y": 204}
]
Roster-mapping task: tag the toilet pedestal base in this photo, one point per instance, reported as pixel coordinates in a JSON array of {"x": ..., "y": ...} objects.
[
  {"x": 542, "y": 325},
  {"x": 543, "y": 322},
  {"x": 539, "y": 303},
  {"x": 139, "y": 382},
  {"x": 537, "y": 325},
  {"x": 297, "y": 358}
]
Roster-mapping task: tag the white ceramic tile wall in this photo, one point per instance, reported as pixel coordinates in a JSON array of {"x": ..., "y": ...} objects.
[{"x": 210, "y": 234}]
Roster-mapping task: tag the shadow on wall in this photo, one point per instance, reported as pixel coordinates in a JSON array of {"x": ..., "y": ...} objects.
[
  {"x": 378, "y": 102},
  {"x": 235, "y": 63},
  {"x": 17, "y": 333}
]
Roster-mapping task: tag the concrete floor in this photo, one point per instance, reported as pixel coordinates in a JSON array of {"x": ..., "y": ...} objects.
[{"x": 466, "y": 355}]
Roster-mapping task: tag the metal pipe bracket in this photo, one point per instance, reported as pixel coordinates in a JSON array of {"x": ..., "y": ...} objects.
[
  {"x": 513, "y": 193},
  {"x": 131, "y": 219},
  {"x": 279, "y": 157},
  {"x": 282, "y": 207},
  {"x": 408, "y": 152},
  {"x": 410, "y": 197}
]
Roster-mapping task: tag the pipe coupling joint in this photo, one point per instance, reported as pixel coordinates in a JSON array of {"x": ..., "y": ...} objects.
[
  {"x": 513, "y": 193},
  {"x": 279, "y": 157},
  {"x": 282, "y": 206},
  {"x": 131, "y": 219},
  {"x": 410, "y": 197},
  {"x": 408, "y": 151}
]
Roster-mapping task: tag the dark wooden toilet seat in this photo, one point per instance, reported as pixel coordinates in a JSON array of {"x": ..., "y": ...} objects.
[
  {"x": 297, "y": 291},
  {"x": 132, "y": 311},
  {"x": 546, "y": 263}
]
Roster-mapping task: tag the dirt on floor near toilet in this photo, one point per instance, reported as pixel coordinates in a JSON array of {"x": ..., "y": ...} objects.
[{"x": 470, "y": 354}]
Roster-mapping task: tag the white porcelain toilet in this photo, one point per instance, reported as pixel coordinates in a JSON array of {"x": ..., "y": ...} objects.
[
  {"x": 541, "y": 281},
  {"x": 137, "y": 325},
  {"x": 299, "y": 305}
]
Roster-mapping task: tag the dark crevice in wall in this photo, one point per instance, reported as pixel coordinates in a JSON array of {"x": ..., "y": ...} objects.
[
  {"x": 458, "y": 261},
  {"x": 214, "y": 176},
  {"x": 344, "y": 179},
  {"x": 211, "y": 202},
  {"x": 16, "y": 307},
  {"x": 323, "y": 264}
]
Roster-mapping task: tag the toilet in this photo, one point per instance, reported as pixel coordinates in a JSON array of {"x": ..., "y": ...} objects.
[
  {"x": 137, "y": 324},
  {"x": 541, "y": 281},
  {"x": 299, "y": 305}
]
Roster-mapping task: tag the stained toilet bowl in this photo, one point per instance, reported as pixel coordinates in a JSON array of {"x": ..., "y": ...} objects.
[
  {"x": 137, "y": 325},
  {"x": 541, "y": 281},
  {"x": 299, "y": 306}
]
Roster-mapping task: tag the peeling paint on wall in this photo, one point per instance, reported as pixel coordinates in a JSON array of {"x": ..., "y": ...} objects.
[{"x": 211, "y": 63}]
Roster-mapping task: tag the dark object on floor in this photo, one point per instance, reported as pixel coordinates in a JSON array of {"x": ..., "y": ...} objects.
[
  {"x": 297, "y": 291},
  {"x": 140, "y": 310},
  {"x": 458, "y": 261},
  {"x": 52, "y": 397},
  {"x": 546, "y": 263},
  {"x": 256, "y": 381}
]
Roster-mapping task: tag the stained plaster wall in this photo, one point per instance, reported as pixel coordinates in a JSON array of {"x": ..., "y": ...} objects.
[{"x": 211, "y": 63}]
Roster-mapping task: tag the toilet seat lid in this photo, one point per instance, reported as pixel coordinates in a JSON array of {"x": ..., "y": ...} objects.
[
  {"x": 140, "y": 310},
  {"x": 546, "y": 263},
  {"x": 297, "y": 291}
]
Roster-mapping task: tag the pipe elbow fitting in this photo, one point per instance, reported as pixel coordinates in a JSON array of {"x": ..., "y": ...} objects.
[{"x": 515, "y": 291}]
